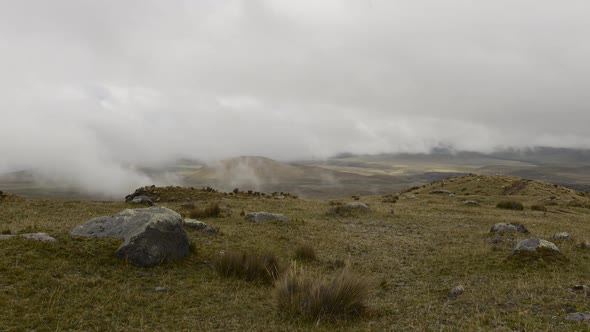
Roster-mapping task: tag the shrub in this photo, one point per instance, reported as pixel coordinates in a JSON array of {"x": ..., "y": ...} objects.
[
  {"x": 510, "y": 205},
  {"x": 264, "y": 268},
  {"x": 212, "y": 210},
  {"x": 304, "y": 295},
  {"x": 305, "y": 252},
  {"x": 538, "y": 207}
]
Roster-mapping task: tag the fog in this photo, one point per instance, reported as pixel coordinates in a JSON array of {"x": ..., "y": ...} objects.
[{"x": 92, "y": 90}]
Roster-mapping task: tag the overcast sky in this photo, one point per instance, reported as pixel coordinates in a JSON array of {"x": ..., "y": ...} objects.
[{"x": 91, "y": 87}]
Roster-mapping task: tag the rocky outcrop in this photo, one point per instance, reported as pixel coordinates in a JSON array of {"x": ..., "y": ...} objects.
[{"x": 151, "y": 235}]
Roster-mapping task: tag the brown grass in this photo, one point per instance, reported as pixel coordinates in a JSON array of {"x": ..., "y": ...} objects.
[
  {"x": 510, "y": 205},
  {"x": 302, "y": 294},
  {"x": 211, "y": 211},
  {"x": 257, "y": 268},
  {"x": 538, "y": 207},
  {"x": 305, "y": 252}
]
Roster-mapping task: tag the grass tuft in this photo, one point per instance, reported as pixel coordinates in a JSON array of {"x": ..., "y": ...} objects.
[
  {"x": 510, "y": 205},
  {"x": 305, "y": 252},
  {"x": 263, "y": 268},
  {"x": 302, "y": 294},
  {"x": 211, "y": 211}
]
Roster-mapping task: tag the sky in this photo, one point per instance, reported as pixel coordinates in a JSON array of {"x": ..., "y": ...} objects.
[{"x": 93, "y": 89}]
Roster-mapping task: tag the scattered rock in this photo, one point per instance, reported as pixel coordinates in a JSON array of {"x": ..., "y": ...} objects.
[
  {"x": 455, "y": 292},
  {"x": 138, "y": 192},
  {"x": 584, "y": 245},
  {"x": 265, "y": 216},
  {"x": 581, "y": 289},
  {"x": 7, "y": 236},
  {"x": 142, "y": 200},
  {"x": 578, "y": 316},
  {"x": 512, "y": 227},
  {"x": 452, "y": 195},
  {"x": 471, "y": 203},
  {"x": 280, "y": 197},
  {"x": 199, "y": 225},
  {"x": 440, "y": 191},
  {"x": 43, "y": 237},
  {"x": 562, "y": 236},
  {"x": 188, "y": 204},
  {"x": 160, "y": 289},
  {"x": 151, "y": 235},
  {"x": 536, "y": 248}
]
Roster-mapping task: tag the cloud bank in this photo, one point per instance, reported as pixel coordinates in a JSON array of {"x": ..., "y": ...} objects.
[{"x": 91, "y": 90}]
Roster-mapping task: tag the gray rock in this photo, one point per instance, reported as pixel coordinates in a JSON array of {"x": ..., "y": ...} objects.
[
  {"x": 199, "y": 225},
  {"x": 536, "y": 246},
  {"x": 151, "y": 235},
  {"x": 142, "y": 200},
  {"x": 356, "y": 206},
  {"x": 581, "y": 288},
  {"x": 578, "y": 316},
  {"x": 471, "y": 203},
  {"x": 455, "y": 292},
  {"x": 280, "y": 197},
  {"x": 160, "y": 289},
  {"x": 584, "y": 245},
  {"x": 265, "y": 216},
  {"x": 43, "y": 237},
  {"x": 562, "y": 236},
  {"x": 440, "y": 191},
  {"x": 505, "y": 228},
  {"x": 7, "y": 236}
]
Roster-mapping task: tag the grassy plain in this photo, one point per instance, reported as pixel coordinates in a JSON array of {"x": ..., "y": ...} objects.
[{"x": 413, "y": 252}]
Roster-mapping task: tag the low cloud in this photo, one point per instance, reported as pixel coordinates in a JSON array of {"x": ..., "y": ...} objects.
[{"x": 93, "y": 91}]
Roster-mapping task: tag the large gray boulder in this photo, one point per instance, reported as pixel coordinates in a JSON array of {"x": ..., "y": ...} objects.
[
  {"x": 151, "y": 235},
  {"x": 266, "y": 216}
]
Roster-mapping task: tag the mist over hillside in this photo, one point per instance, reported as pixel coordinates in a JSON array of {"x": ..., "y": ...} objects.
[{"x": 340, "y": 176}]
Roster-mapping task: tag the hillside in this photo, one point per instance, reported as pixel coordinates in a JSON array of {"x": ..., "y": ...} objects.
[{"x": 411, "y": 252}]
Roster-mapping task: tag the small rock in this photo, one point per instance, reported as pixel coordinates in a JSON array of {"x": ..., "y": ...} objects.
[
  {"x": 142, "y": 200},
  {"x": 199, "y": 225},
  {"x": 578, "y": 316},
  {"x": 471, "y": 203},
  {"x": 452, "y": 195},
  {"x": 581, "y": 288},
  {"x": 512, "y": 227},
  {"x": 440, "y": 191},
  {"x": 160, "y": 289},
  {"x": 43, "y": 237},
  {"x": 584, "y": 245},
  {"x": 265, "y": 216},
  {"x": 280, "y": 197},
  {"x": 7, "y": 236},
  {"x": 535, "y": 247},
  {"x": 455, "y": 292},
  {"x": 562, "y": 236}
]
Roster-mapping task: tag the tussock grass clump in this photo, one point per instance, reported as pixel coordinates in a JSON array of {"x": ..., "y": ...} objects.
[
  {"x": 538, "y": 207},
  {"x": 257, "y": 268},
  {"x": 301, "y": 294},
  {"x": 305, "y": 252},
  {"x": 510, "y": 205},
  {"x": 579, "y": 204},
  {"x": 211, "y": 211}
]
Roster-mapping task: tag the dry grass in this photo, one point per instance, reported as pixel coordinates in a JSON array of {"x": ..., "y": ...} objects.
[
  {"x": 510, "y": 205},
  {"x": 538, "y": 207},
  {"x": 257, "y": 268},
  {"x": 430, "y": 245},
  {"x": 213, "y": 210},
  {"x": 302, "y": 294},
  {"x": 305, "y": 252}
]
